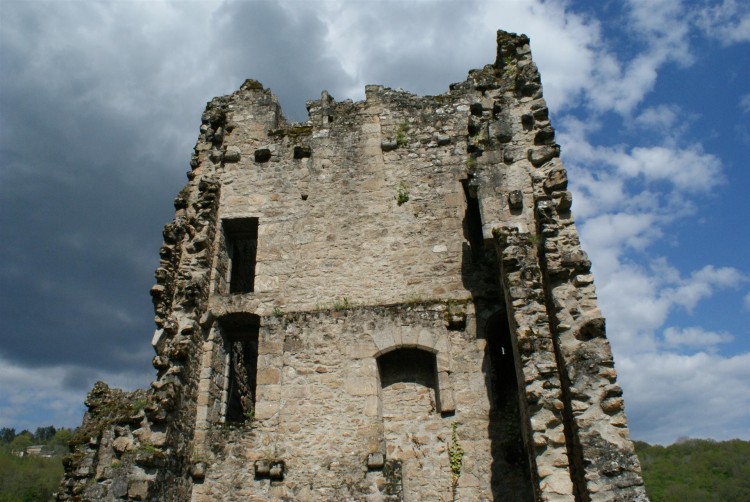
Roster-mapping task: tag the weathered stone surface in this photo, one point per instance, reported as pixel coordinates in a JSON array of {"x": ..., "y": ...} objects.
[
  {"x": 415, "y": 318},
  {"x": 515, "y": 199},
  {"x": 232, "y": 154}
]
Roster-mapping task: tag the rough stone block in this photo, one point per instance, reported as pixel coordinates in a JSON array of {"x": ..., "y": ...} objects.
[
  {"x": 268, "y": 376},
  {"x": 232, "y": 154},
  {"x": 138, "y": 489},
  {"x": 375, "y": 461},
  {"x": 361, "y": 386},
  {"x": 264, "y": 411}
]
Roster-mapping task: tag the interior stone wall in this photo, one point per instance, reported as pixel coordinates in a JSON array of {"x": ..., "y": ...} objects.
[{"x": 322, "y": 410}]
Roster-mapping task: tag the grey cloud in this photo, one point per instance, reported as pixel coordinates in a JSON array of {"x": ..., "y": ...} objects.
[
  {"x": 84, "y": 197},
  {"x": 99, "y": 113},
  {"x": 281, "y": 46}
]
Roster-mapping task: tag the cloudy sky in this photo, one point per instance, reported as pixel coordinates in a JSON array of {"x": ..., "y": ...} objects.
[{"x": 100, "y": 105}]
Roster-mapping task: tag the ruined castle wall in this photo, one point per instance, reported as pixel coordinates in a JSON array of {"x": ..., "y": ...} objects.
[
  {"x": 420, "y": 322},
  {"x": 330, "y": 225},
  {"x": 323, "y": 408}
]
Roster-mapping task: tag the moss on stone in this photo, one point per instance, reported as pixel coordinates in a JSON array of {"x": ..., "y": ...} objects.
[{"x": 291, "y": 131}]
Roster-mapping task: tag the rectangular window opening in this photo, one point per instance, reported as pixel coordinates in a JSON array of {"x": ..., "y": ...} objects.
[
  {"x": 242, "y": 350},
  {"x": 473, "y": 222},
  {"x": 242, "y": 246}
]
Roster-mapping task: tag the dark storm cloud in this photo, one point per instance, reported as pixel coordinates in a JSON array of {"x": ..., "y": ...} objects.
[
  {"x": 282, "y": 46},
  {"x": 100, "y": 105},
  {"x": 90, "y": 163},
  {"x": 100, "y": 108}
]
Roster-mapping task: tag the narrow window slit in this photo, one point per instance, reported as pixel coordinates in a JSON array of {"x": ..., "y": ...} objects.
[
  {"x": 503, "y": 381},
  {"x": 242, "y": 246},
  {"x": 473, "y": 222}
]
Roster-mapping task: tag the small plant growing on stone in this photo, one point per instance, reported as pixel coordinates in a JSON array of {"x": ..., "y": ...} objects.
[
  {"x": 401, "y": 138},
  {"x": 147, "y": 449},
  {"x": 456, "y": 454},
  {"x": 249, "y": 416},
  {"x": 415, "y": 298},
  {"x": 138, "y": 404},
  {"x": 402, "y": 194},
  {"x": 510, "y": 67},
  {"x": 277, "y": 312},
  {"x": 341, "y": 304}
]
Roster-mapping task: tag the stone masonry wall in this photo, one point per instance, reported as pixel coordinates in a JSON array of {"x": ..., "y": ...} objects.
[{"x": 395, "y": 240}]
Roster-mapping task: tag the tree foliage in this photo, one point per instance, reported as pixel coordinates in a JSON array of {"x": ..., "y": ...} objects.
[
  {"x": 696, "y": 470},
  {"x": 31, "y": 478}
]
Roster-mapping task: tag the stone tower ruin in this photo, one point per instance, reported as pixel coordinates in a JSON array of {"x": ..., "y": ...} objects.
[{"x": 386, "y": 302}]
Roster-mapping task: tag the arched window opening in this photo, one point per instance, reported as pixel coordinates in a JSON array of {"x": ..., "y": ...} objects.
[
  {"x": 241, "y": 346},
  {"x": 407, "y": 366}
]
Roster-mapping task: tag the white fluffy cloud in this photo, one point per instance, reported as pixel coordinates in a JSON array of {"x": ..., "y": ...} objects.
[
  {"x": 694, "y": 337},
  {"x": 728, "y": 22},
  {"x": 698, "y": 395},
  {"x": 51, "y": 395}
]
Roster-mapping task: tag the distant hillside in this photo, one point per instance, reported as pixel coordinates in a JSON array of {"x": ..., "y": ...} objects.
[
  {"x": 692, "y": 470},
  {"x": 25, "y": 474},
  {"x": 696, "y": 470}
]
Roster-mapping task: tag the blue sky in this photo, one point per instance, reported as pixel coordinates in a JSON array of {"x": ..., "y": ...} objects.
[{"x": 100, "y": 105}]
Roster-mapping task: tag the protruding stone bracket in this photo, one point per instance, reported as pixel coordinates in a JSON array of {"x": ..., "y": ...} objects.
[
  {"x": 270, "y": 469},
  {"x": 198, "y": 471},
  {"x": 262, "y": 155},
  {"x": 375, "y": 461}
]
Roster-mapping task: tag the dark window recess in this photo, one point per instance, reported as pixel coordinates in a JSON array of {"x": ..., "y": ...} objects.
[
  {"x": 302, "y": 152},
  {"x": 242, "y": 246},
  {"x": 473, "y": 223},
  {"x": 503, "y": 382},
  {"x": 407, "y": 366},
  {"x": 510, "y": 470},
  {"x": 410, "y": 366},
  {"x": 241, "y": 336},
  {"x": 262, "y": 155}
]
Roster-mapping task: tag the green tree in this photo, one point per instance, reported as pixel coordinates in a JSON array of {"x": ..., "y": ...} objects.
[
  {"x": 7, "y": 435},
  {"x": 43, "y": 434},
  {"x": 22, "y": 441},
  {"x": 59, "y": 443},
  {"x": 696, "y": 470},
  {"x": 28, "y": 479}
]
